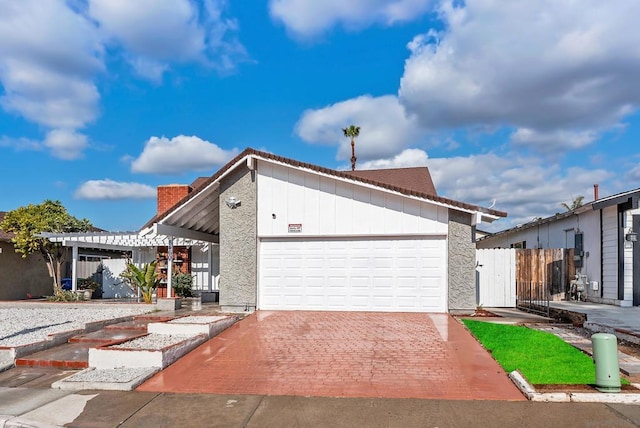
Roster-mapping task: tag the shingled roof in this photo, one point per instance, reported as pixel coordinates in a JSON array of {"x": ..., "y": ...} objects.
[
  {"x": 372, "y": 177},
  {"x": 417, "y": 179}
]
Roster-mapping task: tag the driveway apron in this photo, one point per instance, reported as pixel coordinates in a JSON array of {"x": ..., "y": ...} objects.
[{"x": 341, "y": 354}]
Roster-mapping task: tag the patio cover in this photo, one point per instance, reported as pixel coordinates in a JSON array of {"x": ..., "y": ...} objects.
[{"x": 158, "y": 235}]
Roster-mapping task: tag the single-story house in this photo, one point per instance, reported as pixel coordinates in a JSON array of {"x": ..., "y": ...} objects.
[
  {"x": 603, "y": 234},
  {"x": 297, "y": 236}
]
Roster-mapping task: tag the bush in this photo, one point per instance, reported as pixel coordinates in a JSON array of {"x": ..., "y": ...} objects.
[
  {"x": 182, "y": 283},
  {"x": 88, "y": 284},
  {"x": 65, "y": 296}
]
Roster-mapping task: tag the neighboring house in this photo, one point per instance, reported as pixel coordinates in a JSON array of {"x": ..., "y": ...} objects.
[
  {"x": 21, "y": 277},
  {"x": 603, "y": 234},
  {"x": 297, "y": 236},
  {"x": 24, "y": 278}
]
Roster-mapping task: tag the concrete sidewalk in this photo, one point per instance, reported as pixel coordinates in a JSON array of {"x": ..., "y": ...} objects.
[
  {"x": 47, "y": 408},
  {"x": 624, "y": 322}
]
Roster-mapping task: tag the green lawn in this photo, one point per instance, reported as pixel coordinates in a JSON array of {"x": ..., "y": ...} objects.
[{"x": 541, "y": 357}]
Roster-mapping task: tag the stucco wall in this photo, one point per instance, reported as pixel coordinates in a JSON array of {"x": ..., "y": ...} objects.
[
  {"x": 238, "y": 245},
  {"x": 462, "y": 263},
  {"x": 20, "y": 276}
]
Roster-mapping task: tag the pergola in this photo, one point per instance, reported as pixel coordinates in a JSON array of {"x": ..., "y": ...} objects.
[
  {"x": 195, "y": 221},
  {"x": 159, "y": 235}
]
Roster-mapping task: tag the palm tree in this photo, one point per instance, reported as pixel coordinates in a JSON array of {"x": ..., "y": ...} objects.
[
  {"x": 352, "y": 132},
  {"x": 575, "y": 203}
]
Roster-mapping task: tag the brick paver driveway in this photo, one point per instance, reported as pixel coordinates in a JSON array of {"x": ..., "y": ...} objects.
[{"x": 341, "y": 354}]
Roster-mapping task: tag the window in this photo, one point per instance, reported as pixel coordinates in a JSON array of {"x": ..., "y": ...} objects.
[
  {"x": 521, "y": 244},
  {"x": 569, "y": 238}
]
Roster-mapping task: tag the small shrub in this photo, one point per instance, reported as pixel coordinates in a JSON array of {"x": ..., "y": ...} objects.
[
  {"x": 65, "y": 296},
  {"x": 88, "y": 284},
  {"x": 182, "y": 283}
]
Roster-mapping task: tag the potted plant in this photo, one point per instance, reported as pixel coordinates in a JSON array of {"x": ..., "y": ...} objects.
[{"x": 87, "y": 286}]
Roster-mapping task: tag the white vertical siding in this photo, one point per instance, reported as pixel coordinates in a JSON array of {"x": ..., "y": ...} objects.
[
  {"x": 326, "y": 206},
  {"x": 628, "y": 261},
  {"x": 610, "y": 252},
  {"x": 199, "y": 267}
]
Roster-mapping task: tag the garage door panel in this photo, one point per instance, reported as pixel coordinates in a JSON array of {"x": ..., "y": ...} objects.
[{"x": 404, "y": 275}]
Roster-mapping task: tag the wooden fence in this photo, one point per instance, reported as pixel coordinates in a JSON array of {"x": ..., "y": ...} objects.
[
  {"x": 542, "y": 275},
  {"x": 528, "y": 279}
]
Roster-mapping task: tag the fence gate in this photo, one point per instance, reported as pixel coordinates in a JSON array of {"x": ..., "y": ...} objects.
[{"x": 496, "y": 277}]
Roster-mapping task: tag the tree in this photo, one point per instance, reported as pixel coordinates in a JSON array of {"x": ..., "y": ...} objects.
[
  {"x": 352, "y": 132},
  {"x": 575, "y": 203},
  {"x": 50, "y": 216}
]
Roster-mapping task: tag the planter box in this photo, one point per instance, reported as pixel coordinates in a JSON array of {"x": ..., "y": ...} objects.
[
  {"x": 116, "y": 356},
  {"x": 169, "y": 303},
  {"x": 208, "y": 325}
]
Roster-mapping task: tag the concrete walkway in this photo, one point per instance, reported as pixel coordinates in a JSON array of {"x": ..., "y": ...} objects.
[{"x": 625, "y": 320}]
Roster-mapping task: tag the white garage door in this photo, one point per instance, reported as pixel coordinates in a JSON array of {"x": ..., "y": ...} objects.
[{"x": 388, "y": 275}]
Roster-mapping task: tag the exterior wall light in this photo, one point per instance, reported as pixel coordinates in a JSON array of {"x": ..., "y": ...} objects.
[
  {"x": 631, "y": 237},
  {"x": 232, "y": 202}
]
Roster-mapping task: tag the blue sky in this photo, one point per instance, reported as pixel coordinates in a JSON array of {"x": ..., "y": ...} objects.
[{"x": 524, "y": 104}]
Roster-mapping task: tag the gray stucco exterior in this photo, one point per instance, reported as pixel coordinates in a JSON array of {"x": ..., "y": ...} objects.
[
  {"x": 238, "y": 242},
  {"x": 19, "y": 276},
  {"x": 462, "y": 263}
]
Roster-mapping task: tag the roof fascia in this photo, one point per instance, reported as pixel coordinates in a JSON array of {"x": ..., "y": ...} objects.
[{"x": 631, "y": 197}]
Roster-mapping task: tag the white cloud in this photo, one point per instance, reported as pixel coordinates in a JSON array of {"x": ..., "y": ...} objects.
[
  {"x": 385, "y": 129},
  {"x": 406, "y": 158},
  {"x": 21, "y": 143},
  {"x": 66, "y": 144},
  {"x": 48, "y": 58},
  {"x": 156, "y": 33},
  {"x": 524, "y": 187},
  {"x": 109, "y": 189},
  {"x": 306, "y": 18},
  {"x": 552, "y": 141},
  {"x": 161, "y": 29},
  {"x": 180, "y": 154},
  {"x": 634, "y": 174},
  {"x": 52, "y": 51},
  {"x": 541, "y": 65}
]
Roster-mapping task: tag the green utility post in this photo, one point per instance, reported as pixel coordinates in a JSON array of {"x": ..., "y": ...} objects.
[{"x": 605, "y": 357}]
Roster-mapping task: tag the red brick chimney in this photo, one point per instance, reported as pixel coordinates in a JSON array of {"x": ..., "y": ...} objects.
[{"x": 169, "y": 194}]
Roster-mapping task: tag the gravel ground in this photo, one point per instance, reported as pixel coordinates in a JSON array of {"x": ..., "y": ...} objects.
[
  {"x": 21, "y": 326},
  {"x": 152, "y": 341},
  {"x": 110, "y": 375}
]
